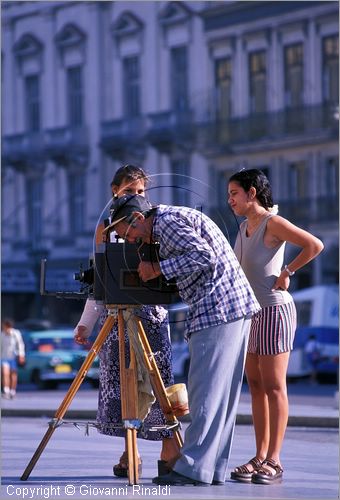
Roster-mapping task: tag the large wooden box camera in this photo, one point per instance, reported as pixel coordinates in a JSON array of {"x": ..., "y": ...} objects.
[{"x": 116, "y": 280}]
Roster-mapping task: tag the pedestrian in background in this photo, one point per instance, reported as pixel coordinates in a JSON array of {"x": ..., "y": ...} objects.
[
  {"x": 260, "y": 247},
  {"x": 12, "y": 354},
  {"x": 313, "y": 351}
]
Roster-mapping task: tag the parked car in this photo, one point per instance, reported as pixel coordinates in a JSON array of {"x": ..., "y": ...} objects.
[{"x": 53, "y": 357}]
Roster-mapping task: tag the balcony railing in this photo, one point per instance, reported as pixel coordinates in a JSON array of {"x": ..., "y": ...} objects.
[
  {"x": 124, "y": 135},
  {"x": 55, "y": 143},
  {"x": 168, "y": 127},
  {"x": 311, "y": 210},
  {"x": 64, "y": 143},
  {"x": 306, "y": 121},
  {"x": 202, "y": 127},
  {"x": 24, "y": 147}
]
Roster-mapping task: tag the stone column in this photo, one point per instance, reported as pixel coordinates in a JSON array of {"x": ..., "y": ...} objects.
[{"x": 49, "y": 84}]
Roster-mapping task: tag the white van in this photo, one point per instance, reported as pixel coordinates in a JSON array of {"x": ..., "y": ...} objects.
[
  {"x": 317, "y": 305},
  {"x": 317, "y": 314}
]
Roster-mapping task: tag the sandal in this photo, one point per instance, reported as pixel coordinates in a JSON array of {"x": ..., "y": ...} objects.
[
  {"x": 121, "y": 469},
  {"x": 243, "y": 474},
  {"x": 264, "y": 475}
]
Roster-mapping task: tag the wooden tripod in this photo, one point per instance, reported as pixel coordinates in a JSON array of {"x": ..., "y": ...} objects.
[{"x": 128, "y": 386}]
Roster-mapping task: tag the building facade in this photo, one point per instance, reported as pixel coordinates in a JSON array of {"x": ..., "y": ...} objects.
[{"x": 192, "y": 91}]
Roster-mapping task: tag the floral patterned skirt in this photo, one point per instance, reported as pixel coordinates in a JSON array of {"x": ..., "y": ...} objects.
[{"x": 109, "y": 418}]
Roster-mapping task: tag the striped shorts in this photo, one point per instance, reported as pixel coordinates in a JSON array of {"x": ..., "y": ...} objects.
[{"x": 272, "y": 330}]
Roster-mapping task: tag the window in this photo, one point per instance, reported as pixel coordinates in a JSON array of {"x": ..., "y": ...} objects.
[
  {"x": 332, "y": 177},
  {"x": 223, "y": 88},
  {"x": 77, "y": 202},
  {"x": 2, "y": 90},
  {"x": 181, "y": 182},
  {"x": 32, "y": 100},
  {"x": 179, "y": 78},
  {"x": 257, "y": 81},
  {"x": 75, "y": 95},
  {"x": 221, "y": 187},
  {"x": 330, "y": 70},
  {"x": 34, "y": 197},
  {"x": 304, "y": 309},
  {"x": 293, "y": 61},
  {"x": 131, "y": 86},
  {"x": 298, "y": 180}
]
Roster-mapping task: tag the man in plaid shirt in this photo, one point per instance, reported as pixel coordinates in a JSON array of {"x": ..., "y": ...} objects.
[{"x": 221, "y": 302}]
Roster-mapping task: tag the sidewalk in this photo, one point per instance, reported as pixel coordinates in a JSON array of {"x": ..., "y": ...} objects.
[
  {"x": 306, "y": 410},
  {"x": 79, "y": 465}
]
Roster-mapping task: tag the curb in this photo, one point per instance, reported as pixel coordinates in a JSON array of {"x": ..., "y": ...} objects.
[
  {"x": 297, "y": 421},
  {"x": 241, "y": 419}
]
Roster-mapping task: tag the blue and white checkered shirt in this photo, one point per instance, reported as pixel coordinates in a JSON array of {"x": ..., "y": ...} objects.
[{"x": 208, "y": 274}]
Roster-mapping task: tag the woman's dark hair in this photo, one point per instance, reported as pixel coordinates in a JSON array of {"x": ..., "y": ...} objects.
[
  {"x": 129, "y": 173},
  {"x": 256, "y": 179}
]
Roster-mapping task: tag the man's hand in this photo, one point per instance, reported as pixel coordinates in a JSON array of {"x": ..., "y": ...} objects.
[{"x": 149, "y": 270}]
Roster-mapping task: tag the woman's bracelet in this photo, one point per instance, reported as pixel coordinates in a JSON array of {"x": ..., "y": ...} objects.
[{"x": 289, "y": 272}]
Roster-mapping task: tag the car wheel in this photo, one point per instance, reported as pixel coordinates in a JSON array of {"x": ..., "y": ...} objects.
[
  {"x": 51, "y": 384},
  {"x": 35, "y": 378},
  {"x": 42, "y": 384}
]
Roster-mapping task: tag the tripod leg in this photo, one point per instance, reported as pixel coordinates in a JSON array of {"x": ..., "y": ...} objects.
[
  {"x": 129, "y": 398},
  {"x": 157, "y": 382},
  {"x": 135, "y": 456},
  {"x": 131, "y": 435},
  {"x": 71, "y": 393}
]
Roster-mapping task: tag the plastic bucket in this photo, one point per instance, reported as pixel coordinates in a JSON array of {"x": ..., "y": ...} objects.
[{"x": 178, "y": 397}]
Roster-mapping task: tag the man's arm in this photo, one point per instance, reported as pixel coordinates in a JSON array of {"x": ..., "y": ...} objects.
[
  {"x": 191, "y": 252},
  {"x": 20, "y": 345}
]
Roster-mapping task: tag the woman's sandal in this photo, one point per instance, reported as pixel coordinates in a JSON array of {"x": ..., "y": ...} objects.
[
  {"x": 121, "y": 469},
  {"x": 265, "y": 475},
  {"x": 243, "y": 473}
]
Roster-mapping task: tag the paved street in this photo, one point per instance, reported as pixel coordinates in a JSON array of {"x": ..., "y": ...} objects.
[
  {"x": 79, "y": 466},
  {"x": 73, "y": 462},
  {"x": 310, "y": 405}
]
